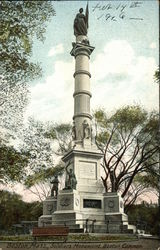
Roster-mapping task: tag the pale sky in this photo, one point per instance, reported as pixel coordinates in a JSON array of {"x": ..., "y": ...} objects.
[{"x": 122, "y": 64}]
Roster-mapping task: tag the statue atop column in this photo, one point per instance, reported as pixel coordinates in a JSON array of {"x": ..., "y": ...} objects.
[{"x": 81, "y": 23}]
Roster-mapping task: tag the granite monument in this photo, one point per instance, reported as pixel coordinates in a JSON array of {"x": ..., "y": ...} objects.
[{"x": 83, "y": 199}]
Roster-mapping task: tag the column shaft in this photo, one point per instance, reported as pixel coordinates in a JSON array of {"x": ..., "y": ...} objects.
[{"x": 82, "y": 93}]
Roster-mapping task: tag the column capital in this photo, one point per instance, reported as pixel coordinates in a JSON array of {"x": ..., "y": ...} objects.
[{"x": 81, "y": 49}]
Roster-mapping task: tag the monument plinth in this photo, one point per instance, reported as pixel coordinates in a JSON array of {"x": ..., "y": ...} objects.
[{"x": 83, "y": 196}]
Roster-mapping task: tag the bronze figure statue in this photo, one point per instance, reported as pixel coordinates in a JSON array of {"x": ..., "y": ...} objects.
[
  {"x": 54, "y": 190},
  {"x": 81, "y": 23},
  {"x": 71, "y": 181}
]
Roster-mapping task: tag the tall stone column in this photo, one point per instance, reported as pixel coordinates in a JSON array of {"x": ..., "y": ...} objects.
[
  {"x": 82, "y": 94},
  {"x": 83, "y": 196}
]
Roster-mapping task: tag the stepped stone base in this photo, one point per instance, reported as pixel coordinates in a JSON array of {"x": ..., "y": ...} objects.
[
  {"x": 87, "y": 208},
  {"x": 49, "y": 206},
  {"x": 86, "y": 212},
  {"x": 67, "y": 218}
]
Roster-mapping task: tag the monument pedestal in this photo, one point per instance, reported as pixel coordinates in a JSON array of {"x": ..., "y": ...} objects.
[
  {"x": 104, "y": 209},
  {"x": 86, "y": 202},
  {"x": 49, "y": 206},
  {"x": 83, "y": 203},
  {"x": 73, "y": 208}
]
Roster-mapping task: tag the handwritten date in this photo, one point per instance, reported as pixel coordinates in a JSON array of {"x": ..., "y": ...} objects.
[{"x": 113, "y": 12}]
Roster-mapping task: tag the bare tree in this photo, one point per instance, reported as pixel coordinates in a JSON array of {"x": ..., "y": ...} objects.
[{"x": 128, "y": 140}]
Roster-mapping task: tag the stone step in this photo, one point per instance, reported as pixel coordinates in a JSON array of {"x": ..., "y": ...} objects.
[
  {"x": 116, "y": 217},
  {"x": 112, "y": 228},
  {"x": 67, "y": 223},
  {"x": 58, "y": 222},
  {"x": 100, "y": 228},
  {"x": 76, "y": 228},
  {"x": 99, "y": 217},
  {"x": 100, "y": 231}
]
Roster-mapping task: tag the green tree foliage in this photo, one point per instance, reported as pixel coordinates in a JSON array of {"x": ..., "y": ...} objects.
[
  {"x": 146, "y": 216},
  {"x": 135, "y": 192},
  {"x": 12, "y": 160},
  {"x": 149, "y": 180},
  {"x": 61, "y": 134},
  {"x": 12, "y": 164},
  {"x": 13, "y": 210},
  {"x": 36, "y": 146},
  {"x": 129, "y": 142},
  {"x": 44, "y": 144},
  {"x": 21, "y": 23},
  {"x": 39, "y": 151}
]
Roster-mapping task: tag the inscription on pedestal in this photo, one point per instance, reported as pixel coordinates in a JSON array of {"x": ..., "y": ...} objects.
[
  {"x": 88, "y": 170},
  {"x": 87, "y": 203}
]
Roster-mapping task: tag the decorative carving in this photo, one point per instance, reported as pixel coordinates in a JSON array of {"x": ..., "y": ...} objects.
[
  {"x": 80, "y": 134},
  {"x": 111, "y": 204},
  {"x": 50, "y": 207},
  {"x": 54, "y": 190},
  {"x": 86, "y": 130},
  {"x": 85, "y": 41},
  {"x": 74, "y": 131},
  {"x": 65, "y": 202},
  {"x": 76, "y": 202}
]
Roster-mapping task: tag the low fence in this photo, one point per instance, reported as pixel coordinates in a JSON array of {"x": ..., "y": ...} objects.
[{"x": 87, "y": 226}]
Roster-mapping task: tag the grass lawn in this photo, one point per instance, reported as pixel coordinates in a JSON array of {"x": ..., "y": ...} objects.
[{"x": 73, "y": 237}]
